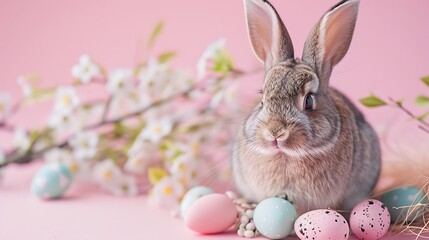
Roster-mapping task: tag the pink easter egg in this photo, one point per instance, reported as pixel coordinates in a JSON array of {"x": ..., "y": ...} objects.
[
  {"x": 210, "y": 214},
  {"x": 370, "y": 220},
  {"x": 322, "y": 224}
]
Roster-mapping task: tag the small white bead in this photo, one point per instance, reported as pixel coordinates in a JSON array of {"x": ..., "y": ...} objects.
[
  {"x": 244, "y": 219},
  {"x": 246, "y": 205},
  {"x": 240, "y": 232},
  {"x": 249, "y": 234},
  {"x": 250, "y": 226},
  {"x": 231, "y": 195},
  {"x": 249, "y": 213}
]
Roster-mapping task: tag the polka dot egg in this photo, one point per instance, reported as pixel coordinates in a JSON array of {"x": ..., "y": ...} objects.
[
  {"x": 406, "y": 203},
  {"x": 370, "y": 220},
  {"x": 51, "y": 181},
  {"x": 274, "y": 218},
  {"x": 322, "y": 224}
]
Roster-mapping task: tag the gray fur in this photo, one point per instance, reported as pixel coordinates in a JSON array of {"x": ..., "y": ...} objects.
[{"x": 328, "y": 157}]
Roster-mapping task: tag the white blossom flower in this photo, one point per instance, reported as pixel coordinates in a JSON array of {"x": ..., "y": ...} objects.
[
  {"x": 57, "y": 155},
  {"x": 153, "y": 74},
  {"x": 84, "y": 145},
  {"x": 177, "y": 81},
  {"x": 139, "y": 156},
  {"x": 208, "y": 57},
  {"x": 107, "y": 173},
  {"x": 66, "y": 100},
  {"x": 125, "y": 186},
  {"x": 87, "y": 115},
  {"x": 4, "y": 104},
  {"x": 167, "y": 193},
  {"x": 27, "y": 89},
  {"x": 120, "y": 81},
  {"x": 80, "y": 169},
  {"x": 185, "y": 169},
  {"x": 227, "y": 95},
  {"x": 85, "y": 70},
  {"x": 132, "y": 100},
  {"x": 21, "y": 140},
  {"x": 63, "y": 122},
  {"x": 156, "y": 129}
]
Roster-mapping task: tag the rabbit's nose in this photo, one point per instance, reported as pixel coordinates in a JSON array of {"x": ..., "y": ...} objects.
[
  {"x": 275, "y": 143},
  {"x": 276, "y": 130}
]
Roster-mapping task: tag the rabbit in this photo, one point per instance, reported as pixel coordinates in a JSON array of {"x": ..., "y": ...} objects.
[{"x": 304, "y": 140}]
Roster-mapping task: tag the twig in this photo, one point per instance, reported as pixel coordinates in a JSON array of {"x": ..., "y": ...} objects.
[
  {"x": 106, "y": 109},
  {"x": 7, "y": 127},
  {"x": 15, "y": 108},
  {"x": 423, "y": 124}
]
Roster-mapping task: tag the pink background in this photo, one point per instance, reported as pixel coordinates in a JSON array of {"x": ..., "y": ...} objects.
[{"x": 388, "y": 55}]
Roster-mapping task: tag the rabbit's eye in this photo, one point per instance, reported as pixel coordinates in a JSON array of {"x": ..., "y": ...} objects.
[{"x": 309, "y": 102}]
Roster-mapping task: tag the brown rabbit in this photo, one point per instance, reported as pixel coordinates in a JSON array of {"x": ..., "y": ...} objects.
[{"x": 304, "y": 140}]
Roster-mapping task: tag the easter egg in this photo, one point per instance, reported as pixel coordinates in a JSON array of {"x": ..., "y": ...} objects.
[
  {"x": 402, "y": 203},
  {"x": 370, "y": 219},
  {"x": 274, "y": 218},
  {"x": 213, "y": 213},
  {"x": 322, "y": 224},
  {"x": 191, "y": 196},
  {"x": 51, "y": 181}
]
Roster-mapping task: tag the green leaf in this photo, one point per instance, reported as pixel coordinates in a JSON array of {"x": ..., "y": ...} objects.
[
  {"x": 425, "y": 80},
  {"x": 223, "y": 62},
  {"x": 372, "y": 101},
  {"x": 156, "y": 174},
  {"x": 422, "y": 101},
  {"x": 155, "y": 33},
  {"x": 166, "y": 57}
]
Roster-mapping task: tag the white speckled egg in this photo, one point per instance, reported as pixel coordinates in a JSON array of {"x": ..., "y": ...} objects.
[
  {"x": 322, "y": 224},
  {"x": 370, "y": 220},
  {"x": 403, "y": 203},
  {"x": 213, "y": 213},
  {"x": 191, "y": 196},
  {"x": 51, "y": 181},
  {"x": 274, "y": 218}
]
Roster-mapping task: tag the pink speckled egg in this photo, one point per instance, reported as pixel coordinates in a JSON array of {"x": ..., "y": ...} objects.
[
  {"x": 210, "y": 214},
  {"x": 370, "y": 220},
  {"x": 322, "y": 224}
]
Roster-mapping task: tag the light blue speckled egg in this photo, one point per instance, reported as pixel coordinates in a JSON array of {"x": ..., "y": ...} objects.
[
  {"x": 398, "y": 200},
  {"x": 191, "y": 196},
  {"x": 274, "y": 218},
  {"x": 51, "y": 181}
]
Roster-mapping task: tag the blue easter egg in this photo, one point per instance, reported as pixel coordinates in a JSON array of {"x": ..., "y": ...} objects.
[
  {"x": 191, "y": 196},
  {"x": 51, "y": 181},
  {"x": 274, "y": 218},
  {"x": 402, "y": 203}
]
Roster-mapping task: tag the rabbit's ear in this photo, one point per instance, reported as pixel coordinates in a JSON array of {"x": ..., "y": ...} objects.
[
  {"x": 268, "y": 35},
  {"x": 330, "y": 39}
]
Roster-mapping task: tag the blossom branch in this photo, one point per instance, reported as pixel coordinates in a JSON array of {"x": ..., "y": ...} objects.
[{"x": 28, "y": 156}]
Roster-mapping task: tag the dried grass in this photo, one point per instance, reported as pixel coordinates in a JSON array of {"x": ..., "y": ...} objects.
[{"x": 408, "y": 167}]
